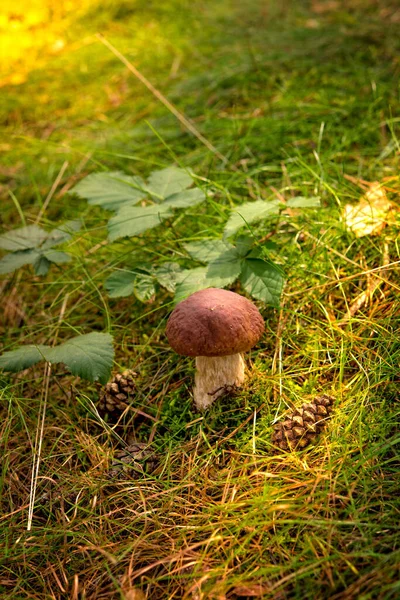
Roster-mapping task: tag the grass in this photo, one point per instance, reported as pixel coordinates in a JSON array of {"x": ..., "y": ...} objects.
[{"x": 298, "y": 96}]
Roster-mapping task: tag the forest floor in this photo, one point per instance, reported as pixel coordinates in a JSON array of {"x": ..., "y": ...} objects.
[{"x": 294, "y": 99}]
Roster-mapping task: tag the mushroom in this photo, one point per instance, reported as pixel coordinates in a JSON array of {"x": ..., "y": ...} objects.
[{"x": 215, "y": 326}]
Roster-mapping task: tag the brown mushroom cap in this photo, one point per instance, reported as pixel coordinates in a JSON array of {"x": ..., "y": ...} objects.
[{"x": 214, "y": 322}]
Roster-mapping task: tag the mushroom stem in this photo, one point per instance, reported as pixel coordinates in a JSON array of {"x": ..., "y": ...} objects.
[{"x": 214, "y": 374}]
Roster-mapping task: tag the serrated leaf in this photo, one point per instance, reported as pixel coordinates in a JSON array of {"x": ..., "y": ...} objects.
[
  {"x": 24, "y": 238},
  {"x": 89, "y": 356},
  {"x": 41, "y": 265},
  {"x": 168, "y": 275},
  {"x": 186, "y": 198},
  {"x": 144, "y": 288},
  {"x": 206, "y": 250},
  {"x": 55, "y": 256},
  {"x": 192, "y": 280},
  {"x": 111, "y": 190},
  {"x": 133, "y": 220},
  {"x": 243, "y": 245},
  {"x": 120, "y": 284},
  {"x": 225, "y": 268},
  {"x": 22, "y": 358},
  {"x": 11, "y": 262},
  {"x": 165, "y": 182},
  {"x": 303, "y": 202},
  {"x": 62, "y": 234},
  {"x": 262, "y": 280},
  {"x": 250, "y": 212}
]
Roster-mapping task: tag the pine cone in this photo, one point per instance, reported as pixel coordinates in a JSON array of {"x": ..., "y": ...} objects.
[
  {"x": 115, "y": 395},
  {"x": 303, "y": 425},
  {"x": 133, "y": 462}
]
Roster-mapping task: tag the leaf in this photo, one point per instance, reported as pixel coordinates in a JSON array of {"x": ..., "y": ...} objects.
[
  {"x": 186, "y": 198},
  {"x": 11, "y": 262},
  {"x": 225, "y": 268},
  {"x": 112, "y": 190},
  {"x": 22, "y": 358},
  {"x": 23, "y": 239},
  {"x": 55, "y": 256},
  {"x": 250, "y": 212},
  {"x": 206, "y": 250},
  {"x": 120, "y": 284},
  {"x": 62, "y": 234},
  {"x": 243, "y": 245},
  {"x": 166, "y": 182},
  {"x": 41, "y": 266},
  {"x": 133, "y": 220},
  {"x": 371, "y": 214},
  {"x": 303, "y": 202},
  {"x": 168, "y": 275},
  {"x": 144, "y": 288},
  {"x": 262, "y": 280},
  {"x": 192, "y": 280},
  {"x": 88, "y": 356}
]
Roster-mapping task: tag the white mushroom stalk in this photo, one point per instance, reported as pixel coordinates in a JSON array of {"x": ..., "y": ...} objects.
[{"x": 216, "y": 376}]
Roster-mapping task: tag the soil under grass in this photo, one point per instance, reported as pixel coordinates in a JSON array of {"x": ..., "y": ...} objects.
[{"x": 302, "y": 98}]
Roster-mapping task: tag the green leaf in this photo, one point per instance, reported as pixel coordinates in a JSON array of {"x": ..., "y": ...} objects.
[
  {"x": 192, "y": 280},
  {"x": 262, "y": 280},
  {"x": 144, "y": 288},
  {"x": 243, "y": 245},
  {"x": 11, "y": 262},
  {"x": 133, "y": 220},
  {"x": 55, "y": 256},
  {"x": 22, "y": 358},
  {"x": 120, "y": 284},
  {"x": 225, "y": 268},
  {"x": 23, "y": 239},
  {"x": 62, "y": 234},
  {"x": 111, "y": 190},
  {"x": 186, "y": 198},
  {"x": 42, "y": 265},
  {"x": 206, "y": 250},
  {"x": 89, "y": 356},
  {"x": 250, "y": 212},
  {"x": 166, "y": 182},
  {"x": 302, "y": 202},
  {"x": 168, "y": 275}
]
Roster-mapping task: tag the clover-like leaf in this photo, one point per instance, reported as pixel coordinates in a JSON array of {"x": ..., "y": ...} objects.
[
  {"x": 112, "y": 190},
  {"x": 262, "y": 280},
  {"x": 133, "y": 220},
  {"x": 250, "y": 212}
]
